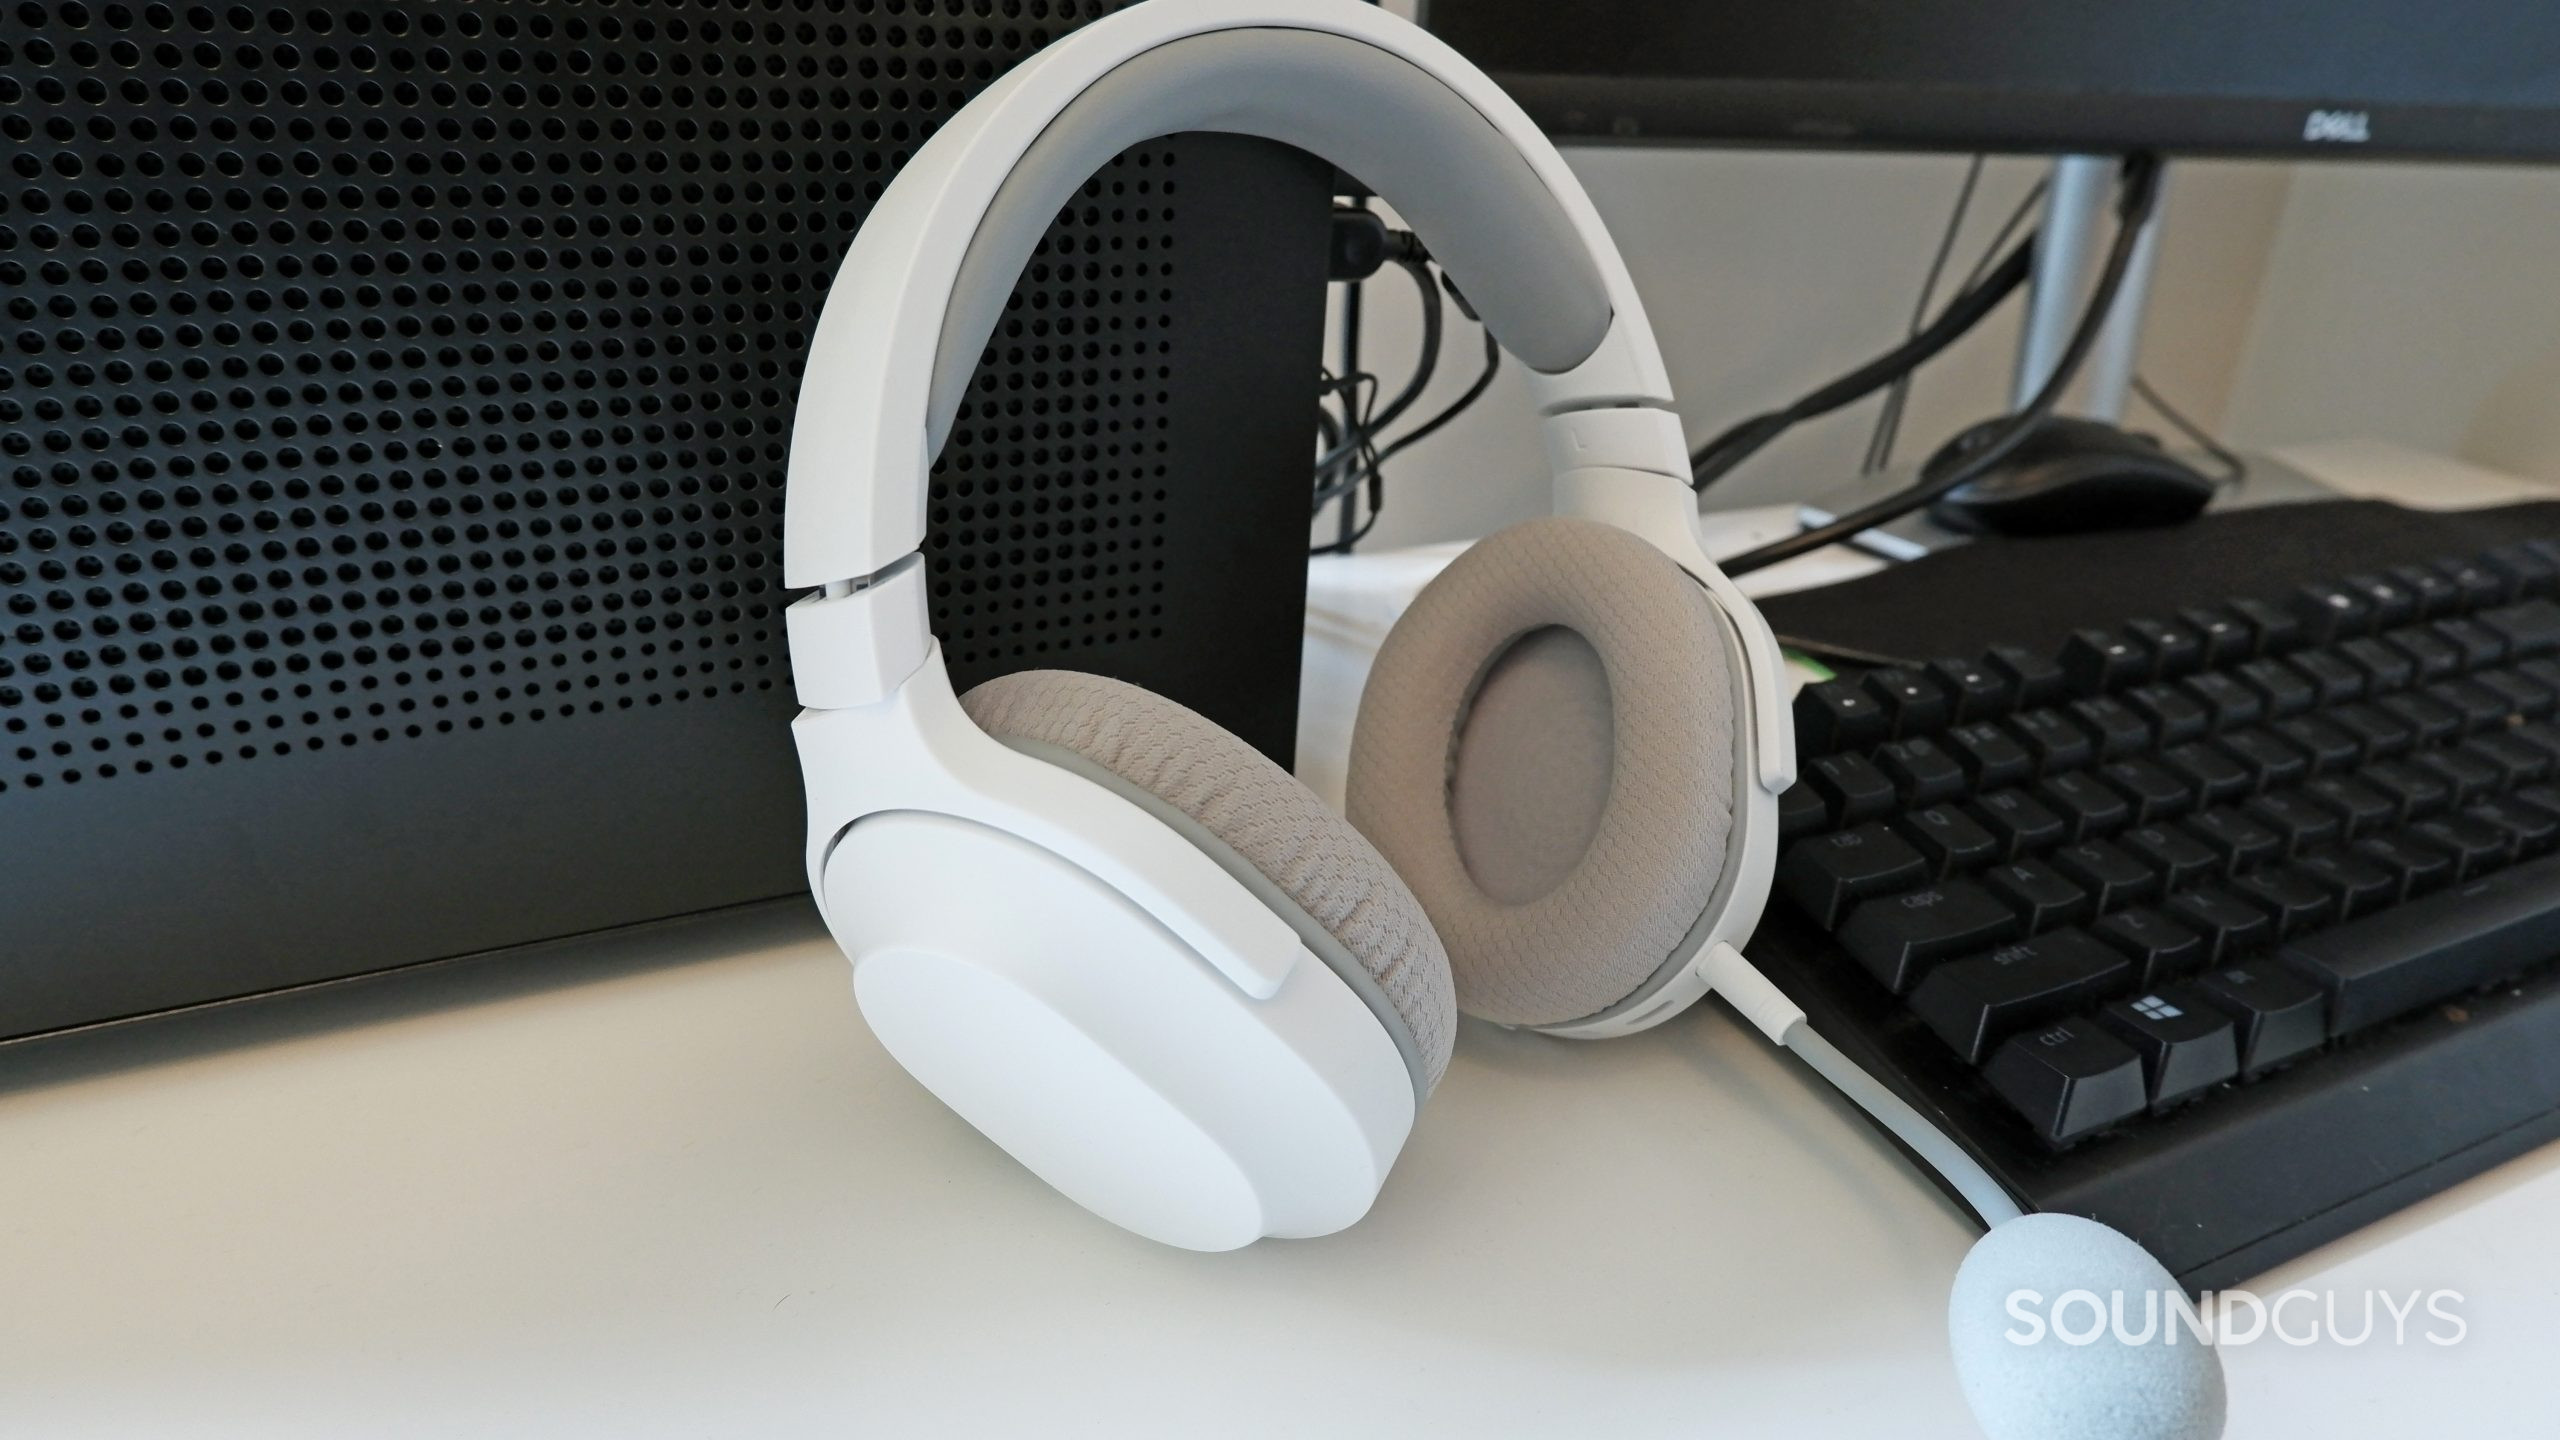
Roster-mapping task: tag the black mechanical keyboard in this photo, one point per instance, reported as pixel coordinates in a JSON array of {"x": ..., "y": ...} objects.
[{"x": 2234, "y": 928}]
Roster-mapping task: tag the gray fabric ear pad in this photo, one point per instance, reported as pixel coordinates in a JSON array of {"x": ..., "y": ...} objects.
[
  {"x": 1318, "y": 873},
  {"x": 1545, "y": 752}
]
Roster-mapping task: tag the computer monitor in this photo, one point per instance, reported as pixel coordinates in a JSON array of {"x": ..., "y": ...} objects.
[{"x": 2477, "y": 78}]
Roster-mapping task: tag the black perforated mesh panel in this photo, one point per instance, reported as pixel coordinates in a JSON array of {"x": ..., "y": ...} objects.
[
  {"x": 375, "y": 375},
  {"x": 377, "y": 371}
]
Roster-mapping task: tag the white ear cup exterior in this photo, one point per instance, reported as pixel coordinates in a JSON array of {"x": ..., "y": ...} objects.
[{"x": 1197, "y": 1092}]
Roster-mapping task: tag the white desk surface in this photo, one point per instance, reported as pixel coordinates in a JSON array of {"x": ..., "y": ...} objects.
[{"x": 666, "y": 1185}]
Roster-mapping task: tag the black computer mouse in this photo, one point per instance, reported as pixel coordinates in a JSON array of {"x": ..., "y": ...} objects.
[{"x": 2069, "y": 476}]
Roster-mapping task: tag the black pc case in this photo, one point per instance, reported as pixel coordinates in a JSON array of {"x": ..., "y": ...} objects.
[{"x": 393, "y": 410}]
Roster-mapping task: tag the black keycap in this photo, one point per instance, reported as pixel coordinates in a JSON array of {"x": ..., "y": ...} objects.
[
  {"x": 2435, "y": 657},
  {"x": 2291, "y": 900},
  {"x": 2329, "y": 747},
  {"x": 2286, "y": 690},
  {"x": 2528, "y": 828},
  {"x": 2210, "y": 772},
  {"x": 2436, "y": 595},
  {"x": 2270, "y": 759},
  {"x": 2357, "y": 884},
  {"x": 2519, "y": 763},
  {"x": 2526, "y": 569},
  {"x": 2114, "y": 725},
  {"x": 2277, "y": 630},
  {"x": 2435, "y": 948},
  {"x": 2186, "y": 1044},
  {"x": 2430, "y": 722},
  {"x": 2111, "y": 876},
  {"x": 2042, "y": 898},
  {"x": 2377, "y": 732},
  {"x": 2019, "y": 822},
  {"x": 2532, "y": 628},
  {"x": 2478, "y": 645},
  {"x": 2541, "y": 735},
  {"x": 2154, "y": 793},
  {"x": 1898, "y": 937},
  {"x": 2226, "y": 700},
  {"x": 1855, "y": 788},
  {"x": 2180, "y": 857},
  {"x": 2054, "y": 741},
  {"x": 2102, "y": 660},
  {"x": 2335, "y": 679},
  {"x": 2174, "y": 715},
  {"x": 2175, "y": 649},
  {"x": 2415, "y": 866},
  {"x": 2035, "y": 678},
  {"x": 1977, "y": 1002},
  {"x": 1977, "y": 691},
  {"x": 1802, "y": 811},
  {"x": 2225, "y": 636},
  {"x": 2226, "y": 924},
  {"x": 2390, "y": 604},
  {"x": 2474, "y": 846},
  {"x": 2477, "y": 584},
  {"x": 1913, "y": 700},
  {"x": 2088, "y": 806},
  {"x": 1991, "y": 756},
  {"x": 2544, "y": 672},
  {"x": 2298, "y": 821},
  {"x": 2331, "y": 612},
  {"x": 2413, "y": 792},
  {"x": 2234, "y": 837},
  {"x": 2160, "y": 948},
  {"x": 1920, "y": 771},
  {"x": 2385, "y": 666},
  {"x": 2467, "y": 773},
  {"x": 2276, "y": 1015},
  {"x": 2359, "y": 807},
  {"x": 2541, "y": 797},
  {"x": 1826, "y": 873},
  {"x": 2480, "y": 707},
  {"x": 1949, "y": 839},
  {"x": 1839, "y": 715},
  {"x": 2068, "y": 1080},
  {"x": 2524, "y": 695}
]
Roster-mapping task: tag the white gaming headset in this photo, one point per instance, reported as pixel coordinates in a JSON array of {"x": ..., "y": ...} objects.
[
  {"x": 1132, "y": 951},
  {"x": 1135, "y": 953}
]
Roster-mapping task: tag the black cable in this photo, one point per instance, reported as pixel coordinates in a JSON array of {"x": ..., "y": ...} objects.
[
  {"x": 1350, "y": 367},
  {"x": 2139, "y": 197},
  {"x": 1348, "y": 447},
  {"x": 2018, "y": 214},
  {"x": 2234, "y": 469},
  {"x": 1889, "y": 415},
  {"x": 1451, "y": 411},
  {"x": 1890, "y": 424},
  {"x": 1719, "y": 456},
  {"x": 1352, "y": 457}
]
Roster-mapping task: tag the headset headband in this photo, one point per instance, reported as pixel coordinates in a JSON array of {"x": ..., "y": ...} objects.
[{"x": 929, "y": 273}]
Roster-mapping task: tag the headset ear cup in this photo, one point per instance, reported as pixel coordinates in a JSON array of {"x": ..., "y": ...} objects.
[
  {"x": 1316, "y": 862},
  {"x": 1546, "y": 752}
]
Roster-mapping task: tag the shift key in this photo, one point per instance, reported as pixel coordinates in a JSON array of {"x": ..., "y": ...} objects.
[
  {"x": 1976, "y": 1003},
  {"x": 1898, "y": 937}
]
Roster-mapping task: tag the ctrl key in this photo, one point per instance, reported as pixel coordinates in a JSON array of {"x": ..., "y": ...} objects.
[{"x": 2068, "y": 1079}]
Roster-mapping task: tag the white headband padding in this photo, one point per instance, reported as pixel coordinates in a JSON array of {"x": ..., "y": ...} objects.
[
  {"x": 1654, "y": 857},
  {"x": 1465, "y": 188},
  {"x": 1315, "y": 860}
]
